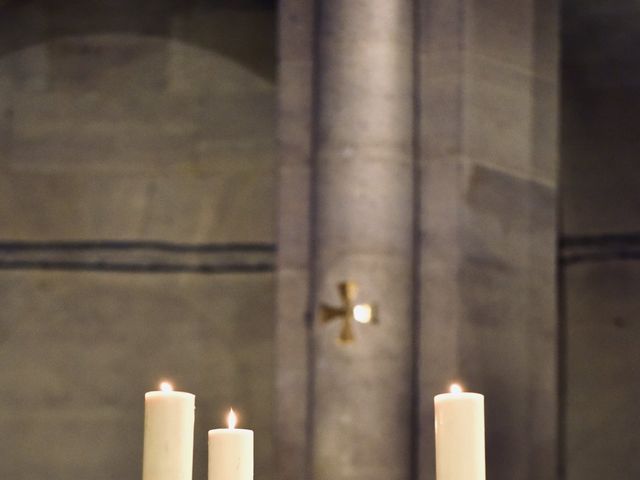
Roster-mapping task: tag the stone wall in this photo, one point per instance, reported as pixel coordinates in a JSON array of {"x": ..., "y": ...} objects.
[
  {"x": 137, "y": 149},
  {"x": 600, "y": 181},
  {"x": 488, "y": 138},
  {"x": 480, "y": 304}
]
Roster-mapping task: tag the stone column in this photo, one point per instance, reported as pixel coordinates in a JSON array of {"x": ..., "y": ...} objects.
[
  {"x": 294, "y": 184},
  {"x": 363, "y": 232}
]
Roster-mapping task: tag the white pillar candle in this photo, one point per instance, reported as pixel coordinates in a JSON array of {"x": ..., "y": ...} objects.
[
  {"x": 459, "y": 435},
  {"x": 168, "y": 434},
  {"x": 231, "y": 452}
]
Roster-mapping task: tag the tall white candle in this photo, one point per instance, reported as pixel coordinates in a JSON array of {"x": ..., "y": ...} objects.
[
  {"x": 459, "y": 435},
  {"x": 168, "y": 434},
  {"x": 231, "y": 452}
]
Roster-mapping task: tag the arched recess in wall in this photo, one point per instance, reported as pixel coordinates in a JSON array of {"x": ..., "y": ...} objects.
[
  {"x": 137, "y": 158},
  {"x": 185, "y": 21}
]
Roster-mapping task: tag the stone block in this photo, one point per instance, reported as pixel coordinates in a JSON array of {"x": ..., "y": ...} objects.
[
  {"x": 238, "y": 207},
  {"x": 499, "y": 109},
  {"x": 255, "y": 157},
  {"x": 30, "y": 68},
  {"x": 193, "y": 67},
  {"x": 547, "y": 43},
  {"x": 442, "y": 182},
  {"x": 293, "y": 216},
  {"x": 506, "y": 111},
  {"x": 502, "y": 31},
  {"x": 239, "y": 117},
  {"x": 105, "y": 62},
  {"x": 601, "y": 309},
  {"x": 128, "y": 133},
  {"x": 441, "y": 27},
  {"x": 367, "y": 103},
  {"x": 351, "y": 189},
  {"x": 441, "y": 252},
  {"x": 294, "y": 112},
  {"x": 295, "y": 29},
  {"x": 24, "y": 28},
  {"x": 507, "y": 341},
  {"x": 545, "y": 134},
  {"x": 365, "y": 78},
  {"x": 60, "y": 111},
  {"x": 292, "y": 373},
  {"x": 508, "y": 221},
  {"x": 65, "y": 443},
  {"x": 246, "y": 35},
  {"x": 347, "y": 29},
  {"x": 77, "y": 17},
  {"x": 442, "y": 120},
  {"x": 440, "y": 307},
  {"x": 598, "y": 145}
]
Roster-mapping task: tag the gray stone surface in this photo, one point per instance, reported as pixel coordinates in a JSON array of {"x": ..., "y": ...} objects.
[
  {"x": 194, "y": 208},
  {"x": 79, "y": 351},
  {"x": 508, "y": 325},
  {"x": 504, "y": 107},
  {"x": 293, "y": 314},
  {"x": 352, "y": 189},
  {"x": 293, "y": 216},
  {"x": 442, "y": 173},
  {"x": 362, "y": 392},
  {"x": 601, "y": 273},
  {"x": 599, "y": 40},
  {"x": 487, "y": 140},
  {"x": 603, "y": 378},
  {"x": 600, "y": 171},
  {"x": 488, "y": 151},
  {"x": 133, "y": 121},
  {"x": 292, "y": 370}
]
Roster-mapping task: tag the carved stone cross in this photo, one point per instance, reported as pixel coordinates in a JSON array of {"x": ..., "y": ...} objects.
[{"x": 348, "y": 312}]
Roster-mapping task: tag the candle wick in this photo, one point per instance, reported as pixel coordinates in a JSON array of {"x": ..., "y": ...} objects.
[{"x": 166, "y": 387}]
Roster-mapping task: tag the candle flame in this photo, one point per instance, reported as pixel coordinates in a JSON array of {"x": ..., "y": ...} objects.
[
  {"x": 166, "y": 387},
  {"x": 232, "y": 419},
  {"x": 455, "y": 388}
]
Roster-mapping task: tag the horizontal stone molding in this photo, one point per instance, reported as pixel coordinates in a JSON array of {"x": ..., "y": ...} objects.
[
  {"x": 138, "y": 256},
  {"x": 576, "y": 249}
]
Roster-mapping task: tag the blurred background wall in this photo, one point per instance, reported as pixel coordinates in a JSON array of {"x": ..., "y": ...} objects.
[
  {"x": 137, "y": 153},
  {"x": 549, "y": 336},
  {"x": 479, "y": 303},
  {"x": 600, "y": 239},
  {"x": 138, "y": 230}
]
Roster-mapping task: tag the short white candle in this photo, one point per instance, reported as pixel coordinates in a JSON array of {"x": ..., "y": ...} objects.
[
  {"x": 231, "y": 452},
  {"x": 168, "y": 434},
  {"x": 459, "y": 435}
]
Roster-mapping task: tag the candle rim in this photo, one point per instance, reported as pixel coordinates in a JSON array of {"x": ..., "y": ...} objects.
[
  {"x": 171, "y": 393},
  {"x": 450, "y": 395},
  {"x": 214, "y": 431}
]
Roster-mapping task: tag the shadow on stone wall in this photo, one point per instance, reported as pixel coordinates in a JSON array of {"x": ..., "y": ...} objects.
[{"x": 219, "y": 26}]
